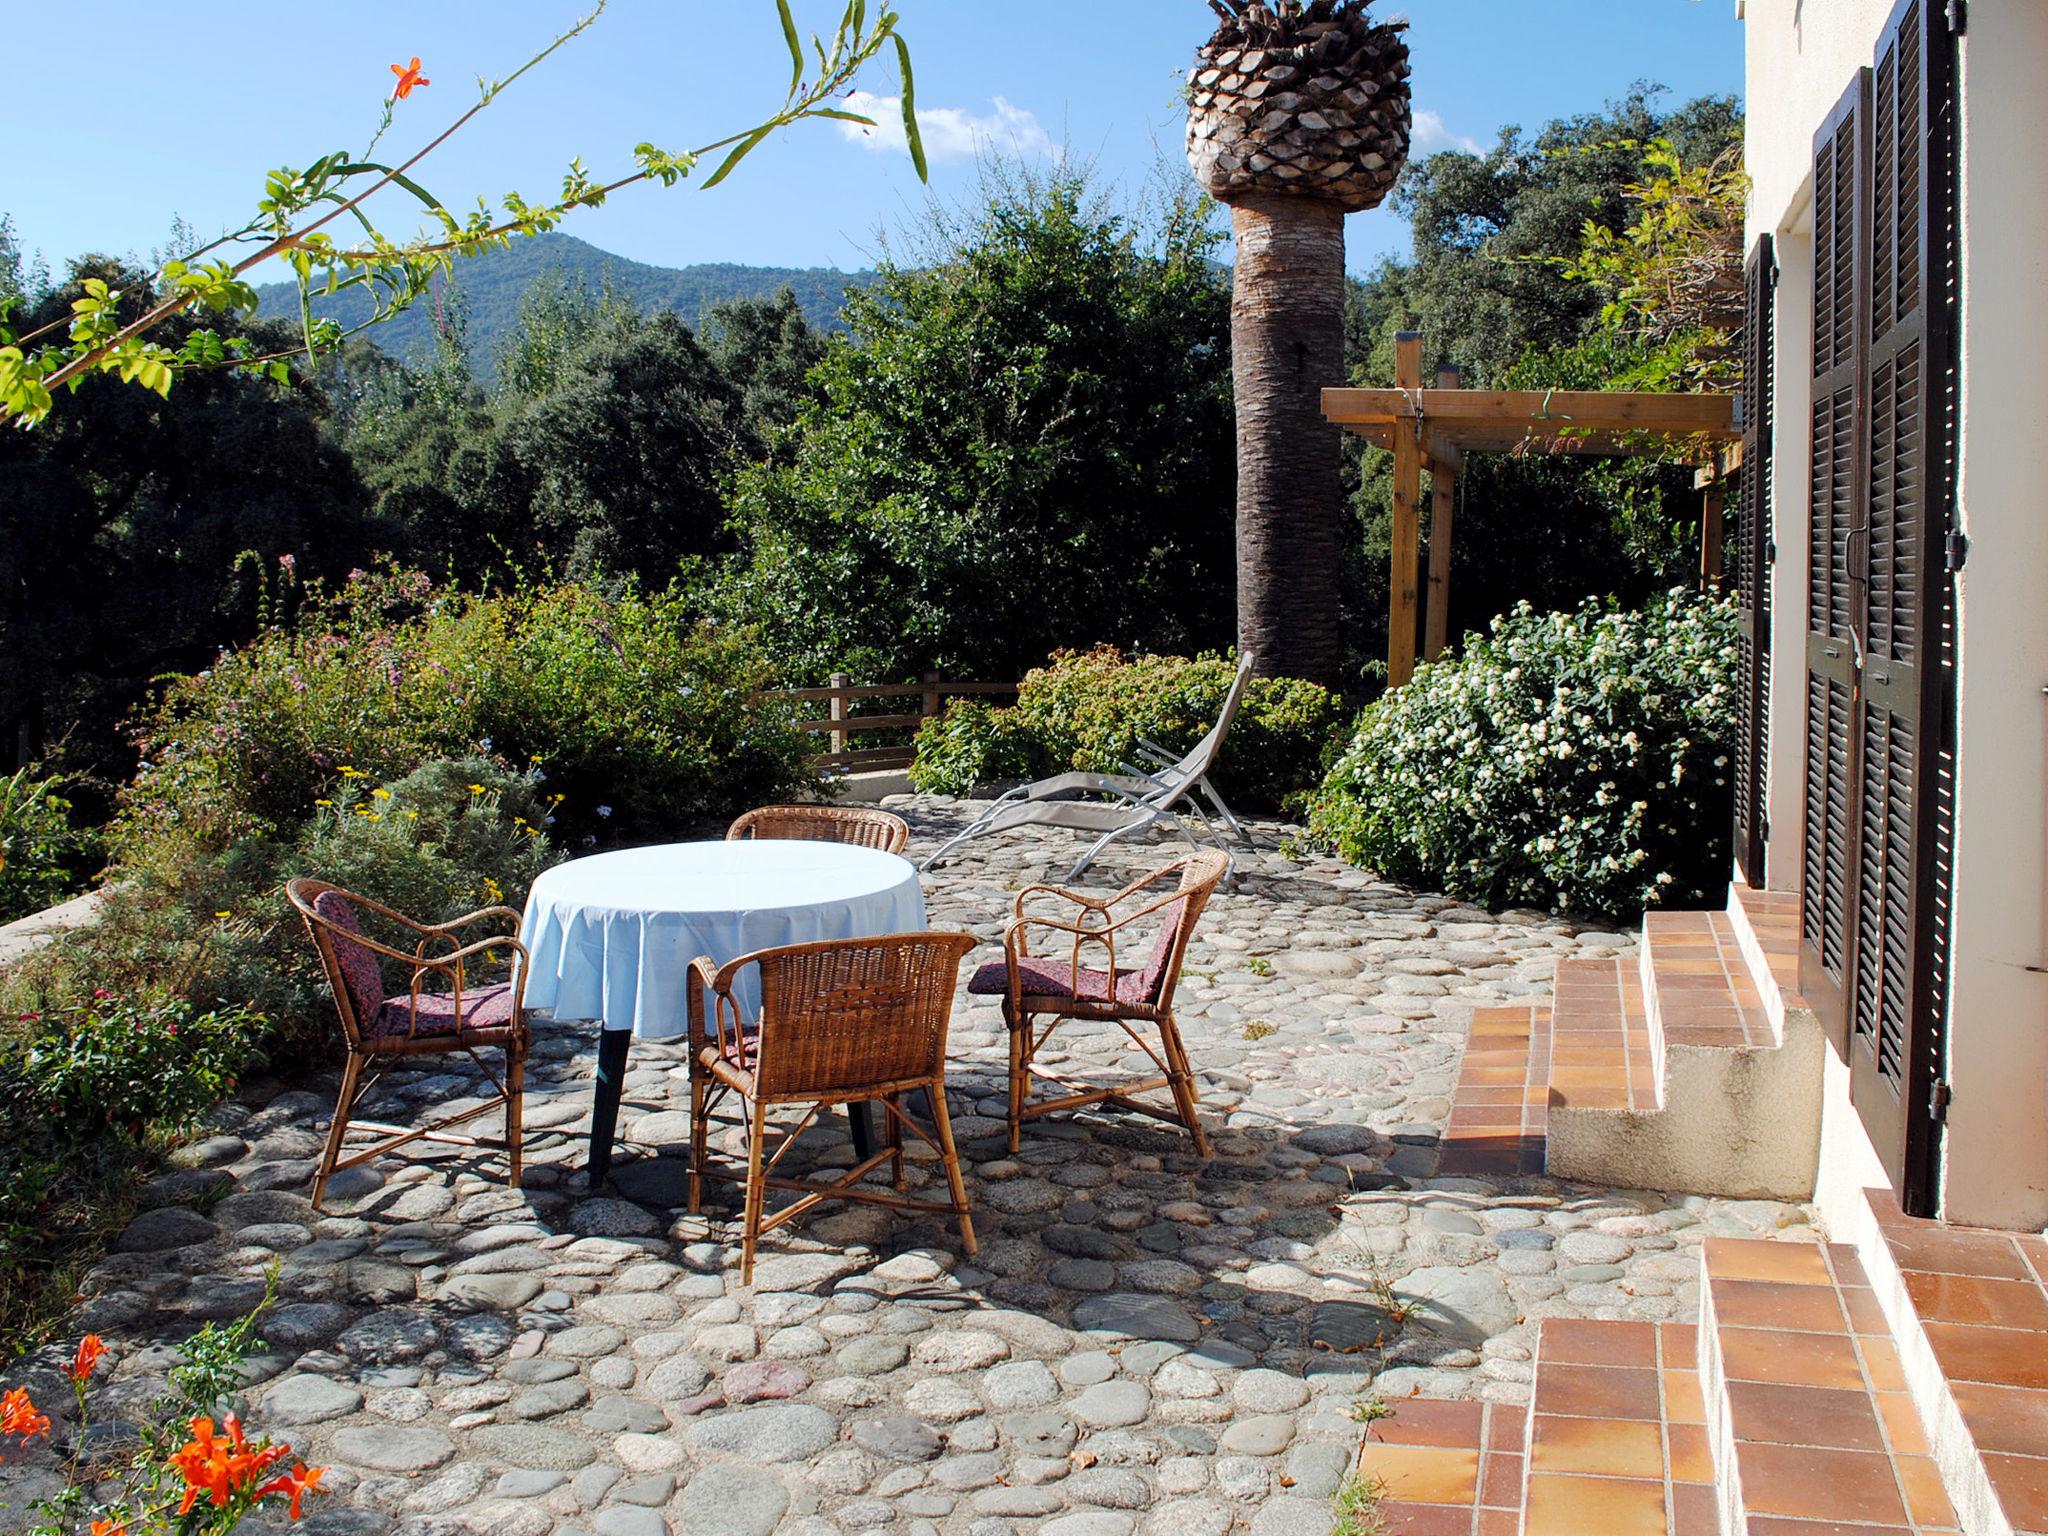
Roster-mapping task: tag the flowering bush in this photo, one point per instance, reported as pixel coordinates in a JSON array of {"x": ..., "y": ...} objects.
[
  {"x": 1573, "y": 760},
  {"x": 625, "y": 701},
  {"x": 40, "y": 851},
  {"x": 1089, "y": 709},
  {"x": 188, "y": 1473},
  {"x": 211, "y": 920}
]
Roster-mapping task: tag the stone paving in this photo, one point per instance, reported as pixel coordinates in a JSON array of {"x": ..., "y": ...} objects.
[{"x": 1145, "y": 1343}]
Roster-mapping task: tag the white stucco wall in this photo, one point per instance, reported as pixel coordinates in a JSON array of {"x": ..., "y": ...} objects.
[
  {"x": 1997, "y": 1164},
  {"x": 1802, "y": 54}
]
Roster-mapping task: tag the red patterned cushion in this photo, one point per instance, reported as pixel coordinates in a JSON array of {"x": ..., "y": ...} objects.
[
  {"x": 482, "y": 1008},
  {"x": 361, "y": 971},
  {"x": 1042, "y": 977}
]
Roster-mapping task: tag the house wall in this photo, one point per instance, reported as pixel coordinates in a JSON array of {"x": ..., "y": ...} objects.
[{"x": 1801, "y": 56}]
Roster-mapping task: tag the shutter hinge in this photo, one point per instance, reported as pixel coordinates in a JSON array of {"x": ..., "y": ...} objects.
[
  {"x": 1775, "y": 269},
  {"x": 1770, "y": 551},
  {"x": 1957, "y": 549},
  {"x": 1937, "y": 1103},
  {"x": 1958, "y": 16}
]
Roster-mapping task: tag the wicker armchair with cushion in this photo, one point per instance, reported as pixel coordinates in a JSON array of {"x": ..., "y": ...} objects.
[
  {"x": 842, "y": 1022},
  {"x": 381, "y": 1028},
  {"x": 1093, "y": 981},
  {"x": 861, "y": 825}
]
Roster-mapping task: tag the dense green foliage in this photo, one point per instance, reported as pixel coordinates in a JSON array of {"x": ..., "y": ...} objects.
[
  {"x": 126, "y": 518},
  {"x": 1091, "y": 710},
  {"x": 82, "y": 1089},
  {"x": 43, "y": 854},
  {"x": 1574, "y": 760},
  {"x": 1500, "y": 285},
  {"x": 1025, "y": 443},
  {"x": 496, "y": 285}
]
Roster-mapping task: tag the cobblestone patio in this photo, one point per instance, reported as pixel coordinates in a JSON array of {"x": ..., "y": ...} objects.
[{"x": 1145, "y": 1343}]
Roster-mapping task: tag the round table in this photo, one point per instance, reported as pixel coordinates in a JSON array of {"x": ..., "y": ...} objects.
[{"x": 611, "y": 937}]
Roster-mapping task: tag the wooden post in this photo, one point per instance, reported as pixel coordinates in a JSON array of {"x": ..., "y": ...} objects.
[
  {"x": 1401, "y": 583},
  {"x": 1712, "y": 504},
  {"x": 1443, "y": 493},
  {"x": 931, "y": 694},
  {"x": 838, "y": 710}
]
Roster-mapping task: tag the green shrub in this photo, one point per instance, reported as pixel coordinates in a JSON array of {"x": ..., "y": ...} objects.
[
  {"x": 42, "y": 856},
  {"x": 642, "y": 716},
  {"x": 84, "y": 1091},
  {"x": 1089, "y": 709},
  {"x": 210, "y": 920},
  {"x": 1571, "y": 760}
]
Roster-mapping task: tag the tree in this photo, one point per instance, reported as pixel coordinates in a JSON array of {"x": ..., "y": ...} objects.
[
  {"x": 1487, "y": 285},
  {"x": 766, "y": 349},
  {"x": 125, "y": 526},
  {"x": 1298, "y": 114},
  {"x": 1023, "y": 444}
]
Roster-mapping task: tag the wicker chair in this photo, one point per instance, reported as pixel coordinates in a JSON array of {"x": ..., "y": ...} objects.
[
  {"x": 381, "y": 1029},
  {"x": 842, "y": 1022},
  {"x": 1035, "y": 987},
  {"x": 825, "y": 824}
]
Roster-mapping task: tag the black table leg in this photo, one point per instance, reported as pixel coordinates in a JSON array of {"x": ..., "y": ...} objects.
[
  {"x": 861, "y": 1116},
  {"x": 604, "y": 1114}
]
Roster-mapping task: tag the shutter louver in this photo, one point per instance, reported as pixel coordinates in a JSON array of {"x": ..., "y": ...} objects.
[
  {"x": 1834, "y": 486},
  {"x": 1751, "y": 569},
  {"x": 1903, "y": 751}
]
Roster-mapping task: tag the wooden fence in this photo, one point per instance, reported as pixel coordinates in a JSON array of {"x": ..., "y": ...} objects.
[{"x": 841, "y": 723}]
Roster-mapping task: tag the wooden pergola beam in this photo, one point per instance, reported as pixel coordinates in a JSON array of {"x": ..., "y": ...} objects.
[
  {"x": 1407, "y": 531},
  {"x": 1536, "y": 412}
]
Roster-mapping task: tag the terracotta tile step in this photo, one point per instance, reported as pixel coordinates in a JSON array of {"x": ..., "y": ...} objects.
[
  {"x": 1613, "y": 1442},
  {"x": 1601, "y": 1053},
  {"x": 1698, "y": 987},
  {"x": 1500, "y": 1107},
  {"x": 1811, "y": 1423},
  {"x": 1969, "y": 1310}
]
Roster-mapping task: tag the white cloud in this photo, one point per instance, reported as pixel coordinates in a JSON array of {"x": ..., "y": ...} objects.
[
  {"x": 1429, "y": 134},
  {"x": 949, "y": 133}
]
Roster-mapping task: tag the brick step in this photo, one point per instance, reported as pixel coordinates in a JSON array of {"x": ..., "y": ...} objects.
[
  {"x": 1613, "y": 1442},
  {"x": 1968, "y": 1310},
  {"x": 1783, "y": 1412},
  {"x": 1807, "y": 1408}
]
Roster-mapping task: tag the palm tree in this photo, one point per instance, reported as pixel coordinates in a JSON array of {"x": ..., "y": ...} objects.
[{"x": 1297, "y": 115}]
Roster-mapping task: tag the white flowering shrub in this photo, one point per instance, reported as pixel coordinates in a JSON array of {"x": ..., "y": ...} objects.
[{"x": 1578, "y": 761}]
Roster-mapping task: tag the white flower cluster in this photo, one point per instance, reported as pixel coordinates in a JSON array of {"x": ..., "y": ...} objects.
[{"x": 1577, "y": 760}]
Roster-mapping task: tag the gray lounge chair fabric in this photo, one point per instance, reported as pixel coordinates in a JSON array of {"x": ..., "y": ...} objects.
[{"x": 1168, "y": 791}]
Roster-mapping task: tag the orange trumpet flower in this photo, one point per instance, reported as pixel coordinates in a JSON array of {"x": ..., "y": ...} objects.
[
  {"x": 90, "y": 1348},
  {"x": 408, "y": 76}
]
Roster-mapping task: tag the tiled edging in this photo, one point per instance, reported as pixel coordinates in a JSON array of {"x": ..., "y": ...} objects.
[
  {"x": 1447, "y": 1468},
  {"x": 1968, "y": 1308},
  {"x": 1807, "y": 1407},
  {"x": 1500, "y": 1106}
]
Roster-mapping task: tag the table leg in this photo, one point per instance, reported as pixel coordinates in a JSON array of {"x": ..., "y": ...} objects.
[
  {"x": 604, "y": 1114},
  {"x": 861, "y": 1116}
]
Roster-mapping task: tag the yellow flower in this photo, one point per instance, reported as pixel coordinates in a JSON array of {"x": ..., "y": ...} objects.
[
  {"x": 380, "y": 794},
  {"x": 350, "y": 773},
  {"x": 223, "y": 914},
  {"x": 412, "y": 815},
  {"x": 328, "y": 803},
  {"x": 476, "y": 789}
]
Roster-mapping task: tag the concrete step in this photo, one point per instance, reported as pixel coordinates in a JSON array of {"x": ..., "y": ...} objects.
[{"x": 1734, "y": 1087}]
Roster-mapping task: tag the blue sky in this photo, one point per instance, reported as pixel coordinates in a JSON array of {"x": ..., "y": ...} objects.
[{"x": 184, "y": 119}]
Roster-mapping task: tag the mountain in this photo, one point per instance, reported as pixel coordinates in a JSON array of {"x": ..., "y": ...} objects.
[{"x": 495, "y": 282}]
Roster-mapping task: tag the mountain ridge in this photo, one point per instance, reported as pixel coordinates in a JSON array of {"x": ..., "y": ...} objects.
[{"x": 494, "y": 284}]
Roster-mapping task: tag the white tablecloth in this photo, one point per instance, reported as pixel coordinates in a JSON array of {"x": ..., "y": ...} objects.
[{"x": 612, "y": 936}]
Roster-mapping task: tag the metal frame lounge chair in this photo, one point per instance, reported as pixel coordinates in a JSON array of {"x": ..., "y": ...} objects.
[{"x": 1131, "y": 801}]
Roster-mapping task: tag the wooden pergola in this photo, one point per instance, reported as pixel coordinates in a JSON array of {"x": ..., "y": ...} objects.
[{"x": 1431, "y": 430}]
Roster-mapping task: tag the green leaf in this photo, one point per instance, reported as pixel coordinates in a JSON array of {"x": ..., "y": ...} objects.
[
  {"x": 844, "y": 117},
  {"x": 910, "y": 133},
  {"x": 739, "y": 152},
  {"x": 796, "y": 47}
]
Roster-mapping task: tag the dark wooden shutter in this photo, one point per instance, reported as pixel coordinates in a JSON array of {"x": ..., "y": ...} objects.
[
  {"x": 1833, "y": 598},
  {"x": 1901, "y": 705},
  {"x": 1750, "y": 571}
]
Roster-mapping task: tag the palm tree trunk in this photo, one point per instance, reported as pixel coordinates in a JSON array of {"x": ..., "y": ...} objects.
[{"x": 1286, "y": 344}]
